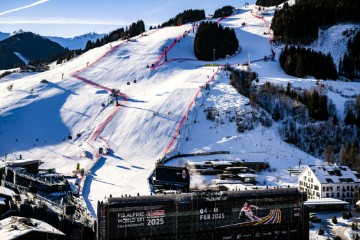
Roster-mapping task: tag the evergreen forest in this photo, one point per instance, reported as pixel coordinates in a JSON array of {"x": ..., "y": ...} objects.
[
  {"x": 300, "y": 22},
  {"x": 301, "y": 62},
  {"x": 349, "y": 65},
  {"x": 210, "y": 36},
  {"x": 191, "y": 15},
  {"x": 223, "y": 12},
  {"x": 268, "y": 3}
]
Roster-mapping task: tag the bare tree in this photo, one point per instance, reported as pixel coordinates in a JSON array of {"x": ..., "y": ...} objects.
[{"x": 329, "y": 155}]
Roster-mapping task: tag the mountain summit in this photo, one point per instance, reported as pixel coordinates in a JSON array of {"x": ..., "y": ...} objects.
[
  {"x": 26, "y": 46},
  {"x": 16, "y": 32}
]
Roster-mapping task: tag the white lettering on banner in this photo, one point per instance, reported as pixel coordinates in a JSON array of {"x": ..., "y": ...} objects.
[
  {"x": 140, "y": 219},
  {"x": 212, "y": 214}
]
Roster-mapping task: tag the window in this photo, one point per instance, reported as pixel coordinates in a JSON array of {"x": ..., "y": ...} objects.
[
  {"x": 331, "y": 188},
  {"x": 316, "y": 187},
  {"x": 327, "y": 189},
  {"x": 323, "y": 189},
  {"x": 338, "y": 195},
  {"x": 327, "y": 195},
  {"x": 347, "y": 188},
  {"x": 338, "y": 188}
]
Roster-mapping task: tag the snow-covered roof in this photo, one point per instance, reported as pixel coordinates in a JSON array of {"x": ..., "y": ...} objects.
[
  {"x": 220, "y": 163},
  {"x": 334, "y": 174},
  {"x": 247, "y": 175},
  {"x": 18, "y": 162},
  {"x": 197, "y": 163},
  {"x": 325, "y": 201},
  {"x": 236, "y": 187},
  {"x": 219, "y": 181},
  {"x": 6, "y": 192},
  {"x": 14, "y": 227}
]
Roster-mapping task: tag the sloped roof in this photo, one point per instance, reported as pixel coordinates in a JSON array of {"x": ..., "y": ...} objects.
[
  {"x": 334, "y": 174},
  {"x": 325, "y": 201},
  {"x": 14, "y": 227},
  {"x": 6, "y": 192}
]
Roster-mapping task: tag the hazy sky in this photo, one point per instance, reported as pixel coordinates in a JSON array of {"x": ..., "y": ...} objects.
[{"x": 68, "y": 18}]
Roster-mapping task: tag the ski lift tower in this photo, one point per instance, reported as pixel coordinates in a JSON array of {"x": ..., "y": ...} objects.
[{"x": 164, "y": 49}]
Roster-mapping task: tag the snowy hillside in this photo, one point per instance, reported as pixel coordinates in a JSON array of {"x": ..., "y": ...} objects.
[
  {"x": 78, "y": 42},
  {"x": 334, "y": 40},
  {"x": 65, "y": 119}
]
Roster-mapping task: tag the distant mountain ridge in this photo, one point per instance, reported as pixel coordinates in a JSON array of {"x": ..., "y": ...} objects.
[
  {"x": 77, "y": 42},
  {"x": 29, "y": 46},
  {"x": 4, "y": 35}
]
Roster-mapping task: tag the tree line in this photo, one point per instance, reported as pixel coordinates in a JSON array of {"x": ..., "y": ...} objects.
[
  {"x": 133, "y": 30},
  {"x": 300, "y": 22},
  {"x": 349, "y": 65},
  {"x": 223, "y": 12},
  {"x": 352, "y": 112},
  {"x": 191, "y": 15},
  {"x": 307, "y": 118},
  {"x": 270, "y": 96},
  {"x": 268, "y": 3},
  {"x": 210, "y": 36},
  {"x": 301, "y": 62}
]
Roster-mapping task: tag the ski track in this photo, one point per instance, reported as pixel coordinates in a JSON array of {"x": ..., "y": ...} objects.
[{"x": 146, "y": 125}]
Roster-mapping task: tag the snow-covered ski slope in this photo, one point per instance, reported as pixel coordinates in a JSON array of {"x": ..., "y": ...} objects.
[{"x": 37, "y": 118}]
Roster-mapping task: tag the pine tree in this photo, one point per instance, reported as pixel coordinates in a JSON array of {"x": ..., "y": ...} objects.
[
  {"x": 89, "y": 45},
  {"x": 350, "y": 118}
]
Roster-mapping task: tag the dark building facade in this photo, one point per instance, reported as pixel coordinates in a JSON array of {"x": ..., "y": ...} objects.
[
  {"x": 171, "y": 178},
  {"x": 253, "y": 214}
]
